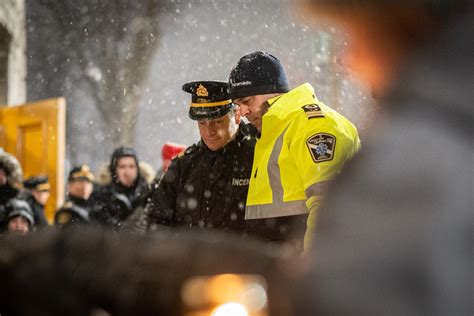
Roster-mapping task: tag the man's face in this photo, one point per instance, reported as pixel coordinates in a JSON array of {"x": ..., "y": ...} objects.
[
  {"x": 218, "y": 132},
  {"x": 19, "y": 225},
  {"x": 253, "y": 108},
  {"x": 40, "y": 196},
  {"x": 127, "y": 171},
  {"x": 80, "y": 188},
  {"x": 3, "y": 177}
]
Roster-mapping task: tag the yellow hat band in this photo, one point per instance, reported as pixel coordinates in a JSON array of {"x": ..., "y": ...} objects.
[
  {"x": 43, "y": 187},
  {"x": 204, "y": 105},
  {"x": 83, "y": 174}
]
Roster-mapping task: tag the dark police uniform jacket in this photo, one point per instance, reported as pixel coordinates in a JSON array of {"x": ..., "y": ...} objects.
[
  {"x": 205, "y": 188},
  {"x": 38, "y": 209},
  {"x": 74, "y": 211}
]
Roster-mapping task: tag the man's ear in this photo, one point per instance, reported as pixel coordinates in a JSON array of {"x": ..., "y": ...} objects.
[{"x": 238, "y": 118}]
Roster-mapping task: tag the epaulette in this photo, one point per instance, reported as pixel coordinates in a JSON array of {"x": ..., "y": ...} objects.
[
  {"x": 312, "y": 111},
  {"x": 191, "y": 149},
  {"x": 188, "y": 151}
]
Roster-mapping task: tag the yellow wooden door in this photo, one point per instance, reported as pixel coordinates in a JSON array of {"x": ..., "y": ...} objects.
[{"x": 35, "y": 134}]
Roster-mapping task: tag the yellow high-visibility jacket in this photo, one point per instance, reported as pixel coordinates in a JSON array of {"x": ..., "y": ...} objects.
[{"x": 303, "y": 144}]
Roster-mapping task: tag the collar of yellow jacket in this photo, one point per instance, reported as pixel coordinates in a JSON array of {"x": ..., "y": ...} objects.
[{"x": 284, "y": 105}]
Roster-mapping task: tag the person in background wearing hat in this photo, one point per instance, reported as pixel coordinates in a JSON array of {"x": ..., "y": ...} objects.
[
  {"x": 303, "y": 144},
  {"x": 168, "y": 152},
  {"x": 114, "y": 202},
  {"x": 10, "y": 180},
  {"x": 206, "y": 186},
  {"x": 79, "y": 188},
  {"x": 19, "y": 217},
  {"x": 36, "y": 194}
]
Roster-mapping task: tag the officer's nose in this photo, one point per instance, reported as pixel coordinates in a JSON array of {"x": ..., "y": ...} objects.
[
  {"x": 244, "y": 110},
  {"x": 211, "y": 130}
]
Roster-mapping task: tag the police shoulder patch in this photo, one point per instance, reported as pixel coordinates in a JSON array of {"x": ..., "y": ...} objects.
[
  {"x": 321, "y": 146},
  {"x": 312, "y": 111}
]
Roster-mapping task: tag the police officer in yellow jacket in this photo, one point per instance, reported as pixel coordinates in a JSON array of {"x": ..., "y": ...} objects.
[{"x": 302, "y": 145}]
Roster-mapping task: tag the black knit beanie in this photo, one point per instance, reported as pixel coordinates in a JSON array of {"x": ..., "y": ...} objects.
[{"x": 257, "y": 73}]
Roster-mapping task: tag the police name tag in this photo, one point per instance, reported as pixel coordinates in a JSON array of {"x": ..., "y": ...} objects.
[
  {"x": 240, "y": 182},
  {"x": 321, "y": 146}
]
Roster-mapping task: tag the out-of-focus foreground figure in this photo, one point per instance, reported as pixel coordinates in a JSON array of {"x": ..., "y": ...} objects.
[
  {"x": 81, "y": 270},
  {"x": 396, "y": 236}
]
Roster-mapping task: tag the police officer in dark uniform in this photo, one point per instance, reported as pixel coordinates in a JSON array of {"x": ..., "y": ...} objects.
[
  {"x": 113, "y": 203},
  {"x": 79, "y": 188},
  {"x": 37, "y": 194},
  {"x": 206, "y": 186}
]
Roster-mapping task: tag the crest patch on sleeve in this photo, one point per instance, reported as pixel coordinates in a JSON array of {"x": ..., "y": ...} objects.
[{"x": 321, "y": 146}]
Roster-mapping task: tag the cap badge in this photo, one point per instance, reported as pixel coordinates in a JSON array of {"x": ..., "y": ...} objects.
[{"x": 201, "y": 91}]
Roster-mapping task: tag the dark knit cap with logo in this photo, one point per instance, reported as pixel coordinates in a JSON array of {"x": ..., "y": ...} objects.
[{"x": 257, "y": 73}]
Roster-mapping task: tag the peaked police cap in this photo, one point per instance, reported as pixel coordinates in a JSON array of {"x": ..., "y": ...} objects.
[{"x": 209, "y": 99}]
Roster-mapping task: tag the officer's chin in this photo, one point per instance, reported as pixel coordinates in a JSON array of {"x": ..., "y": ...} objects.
[{"x": 213, "y": 145}]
